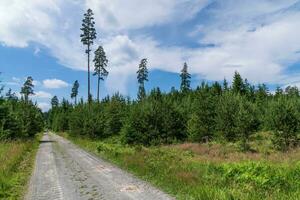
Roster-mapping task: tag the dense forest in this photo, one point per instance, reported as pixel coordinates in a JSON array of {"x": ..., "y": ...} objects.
[
  {"x": 211, "y": 112},
  {"x": 20, "y": 118}
]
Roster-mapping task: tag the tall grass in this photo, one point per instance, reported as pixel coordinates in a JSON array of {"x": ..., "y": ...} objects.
[
  {"x": 16, "y": 161},
  {"x": 186, "y": 175}
]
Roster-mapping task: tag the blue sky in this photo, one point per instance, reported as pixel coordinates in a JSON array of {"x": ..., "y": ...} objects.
[{"x": 40, "y": 38}]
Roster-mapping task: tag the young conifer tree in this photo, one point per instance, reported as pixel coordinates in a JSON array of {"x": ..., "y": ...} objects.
[{"x": 185, "y": 79}]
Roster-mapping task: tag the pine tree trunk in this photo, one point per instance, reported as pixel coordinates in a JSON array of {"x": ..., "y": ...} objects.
[
  {"x": 98, "y": 91},
  {"x": 89, "y": 92}
]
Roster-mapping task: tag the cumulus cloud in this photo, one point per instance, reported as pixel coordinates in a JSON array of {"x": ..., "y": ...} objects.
[
  {"x": 42, "y": 95},
  {"x": 115, "y": 15},
  {"x": 261, "y": 42},
  {"x": 259, "y": 38},
  {"x": 54, "y": 83}
]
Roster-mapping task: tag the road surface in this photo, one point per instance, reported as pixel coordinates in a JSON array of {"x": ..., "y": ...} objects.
[{"x": 63, "y": 171}]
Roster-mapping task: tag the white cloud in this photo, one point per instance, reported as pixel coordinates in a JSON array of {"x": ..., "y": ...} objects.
[
  {"x": 36, "y": 83},
  {"x": 115, "y": 15},
  {"x": 259, "y": 38},
  {"x": 44, "y": 106},
  {"x": 261, "y": 46},
  {"x": 54, "y": 83},
  {"x": 15, "y": 79},
  {"x": 42, "y": 95}
]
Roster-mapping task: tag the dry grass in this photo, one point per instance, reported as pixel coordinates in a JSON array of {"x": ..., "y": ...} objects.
[
  {"x": 229, "y": 153},
  {"x": 187, "y": 177}
]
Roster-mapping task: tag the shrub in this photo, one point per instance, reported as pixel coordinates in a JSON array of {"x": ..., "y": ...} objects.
[
  {"x": 153, "y": 122},
  {"x": 283, "y": 119}
]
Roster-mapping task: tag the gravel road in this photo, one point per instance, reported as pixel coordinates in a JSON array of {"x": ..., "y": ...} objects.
[{"x": 63, "y": 171}]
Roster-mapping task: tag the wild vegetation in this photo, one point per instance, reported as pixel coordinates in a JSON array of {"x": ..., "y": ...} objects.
[
  {"x": 16, "y": 161},
  {"x": 20, "y": 121},
  {"x": 20, "y": 118},
  {"x": 207, "y": 171},
  {"x": 211, "y": 112}
]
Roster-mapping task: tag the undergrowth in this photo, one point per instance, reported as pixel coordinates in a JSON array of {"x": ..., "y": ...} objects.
[
  {"x": 184, "y": 175},
  {"x": 16, "y": 162}
]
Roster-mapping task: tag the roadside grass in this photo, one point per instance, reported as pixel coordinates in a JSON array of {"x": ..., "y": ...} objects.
[
  {"x": 207, "y": 171},
  {"x": 16, "y": 162}
]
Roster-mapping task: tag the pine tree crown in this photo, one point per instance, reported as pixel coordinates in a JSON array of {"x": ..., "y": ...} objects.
[
  {"x": 88, "y": 29},
  {"x": 142, "y": 73},
  {"x": 100, "y": 63}
]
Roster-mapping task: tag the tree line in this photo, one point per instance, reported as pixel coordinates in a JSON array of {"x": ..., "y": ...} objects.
[
  {"x": 19, "y": 117},
  {"x": 210, "y": 112}
]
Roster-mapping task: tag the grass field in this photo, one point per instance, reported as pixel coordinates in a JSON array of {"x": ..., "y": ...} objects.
[
  {"x": 207, "y": 171},
  {"x": 16, "y": 162}
]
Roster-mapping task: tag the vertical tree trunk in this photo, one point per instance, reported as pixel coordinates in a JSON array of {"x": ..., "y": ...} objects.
[
  {"x": 98, "y": 90},
  {"x": 76, "y": 100},
  {"x": 89, "y": 92}
]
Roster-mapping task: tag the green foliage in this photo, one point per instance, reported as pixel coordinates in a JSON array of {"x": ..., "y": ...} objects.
[
  {"x": 262, "y": 175},
  {"x": 27, "y": 88},
  {"x": 114, "y": 114},
  {"x": 210, "y": 112},
  {"x": 183, "y": 174},
  {"x": 185, "y": 79},
  {"x": 142, "y": 76},
  {"x": 19, "y": 119},
  {"x": 238, "y": 85},
  {"x": 74, "y": 94},
  {"x": 284, "y": 120},
  {"x": 158, "y": 122},
  {"x": 228, "y": 108},
  {"x": 54, "y": 102},
  {"x": 236, "y": 118},
  {"x": 201, "y": 125},
  {"x": 100, "y": 62},
  {"x": 246, "y": 122},
  {"x": 16, "y": 162},
  {"x": 88, "y": 28}
]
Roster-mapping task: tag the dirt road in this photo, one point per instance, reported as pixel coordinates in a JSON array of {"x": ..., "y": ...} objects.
[{"x": 65, "y": 172}]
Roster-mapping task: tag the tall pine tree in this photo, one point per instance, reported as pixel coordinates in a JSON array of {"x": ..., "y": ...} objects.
[
  {"x": 74, "y": 92},
  {"x": 27, "y": 88},
  {"x": 142, "y": 76},
  {"x": 185, "y": 79},
  {"x": 87, "y": 38},
  {"x": 100, "y": 62}
]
